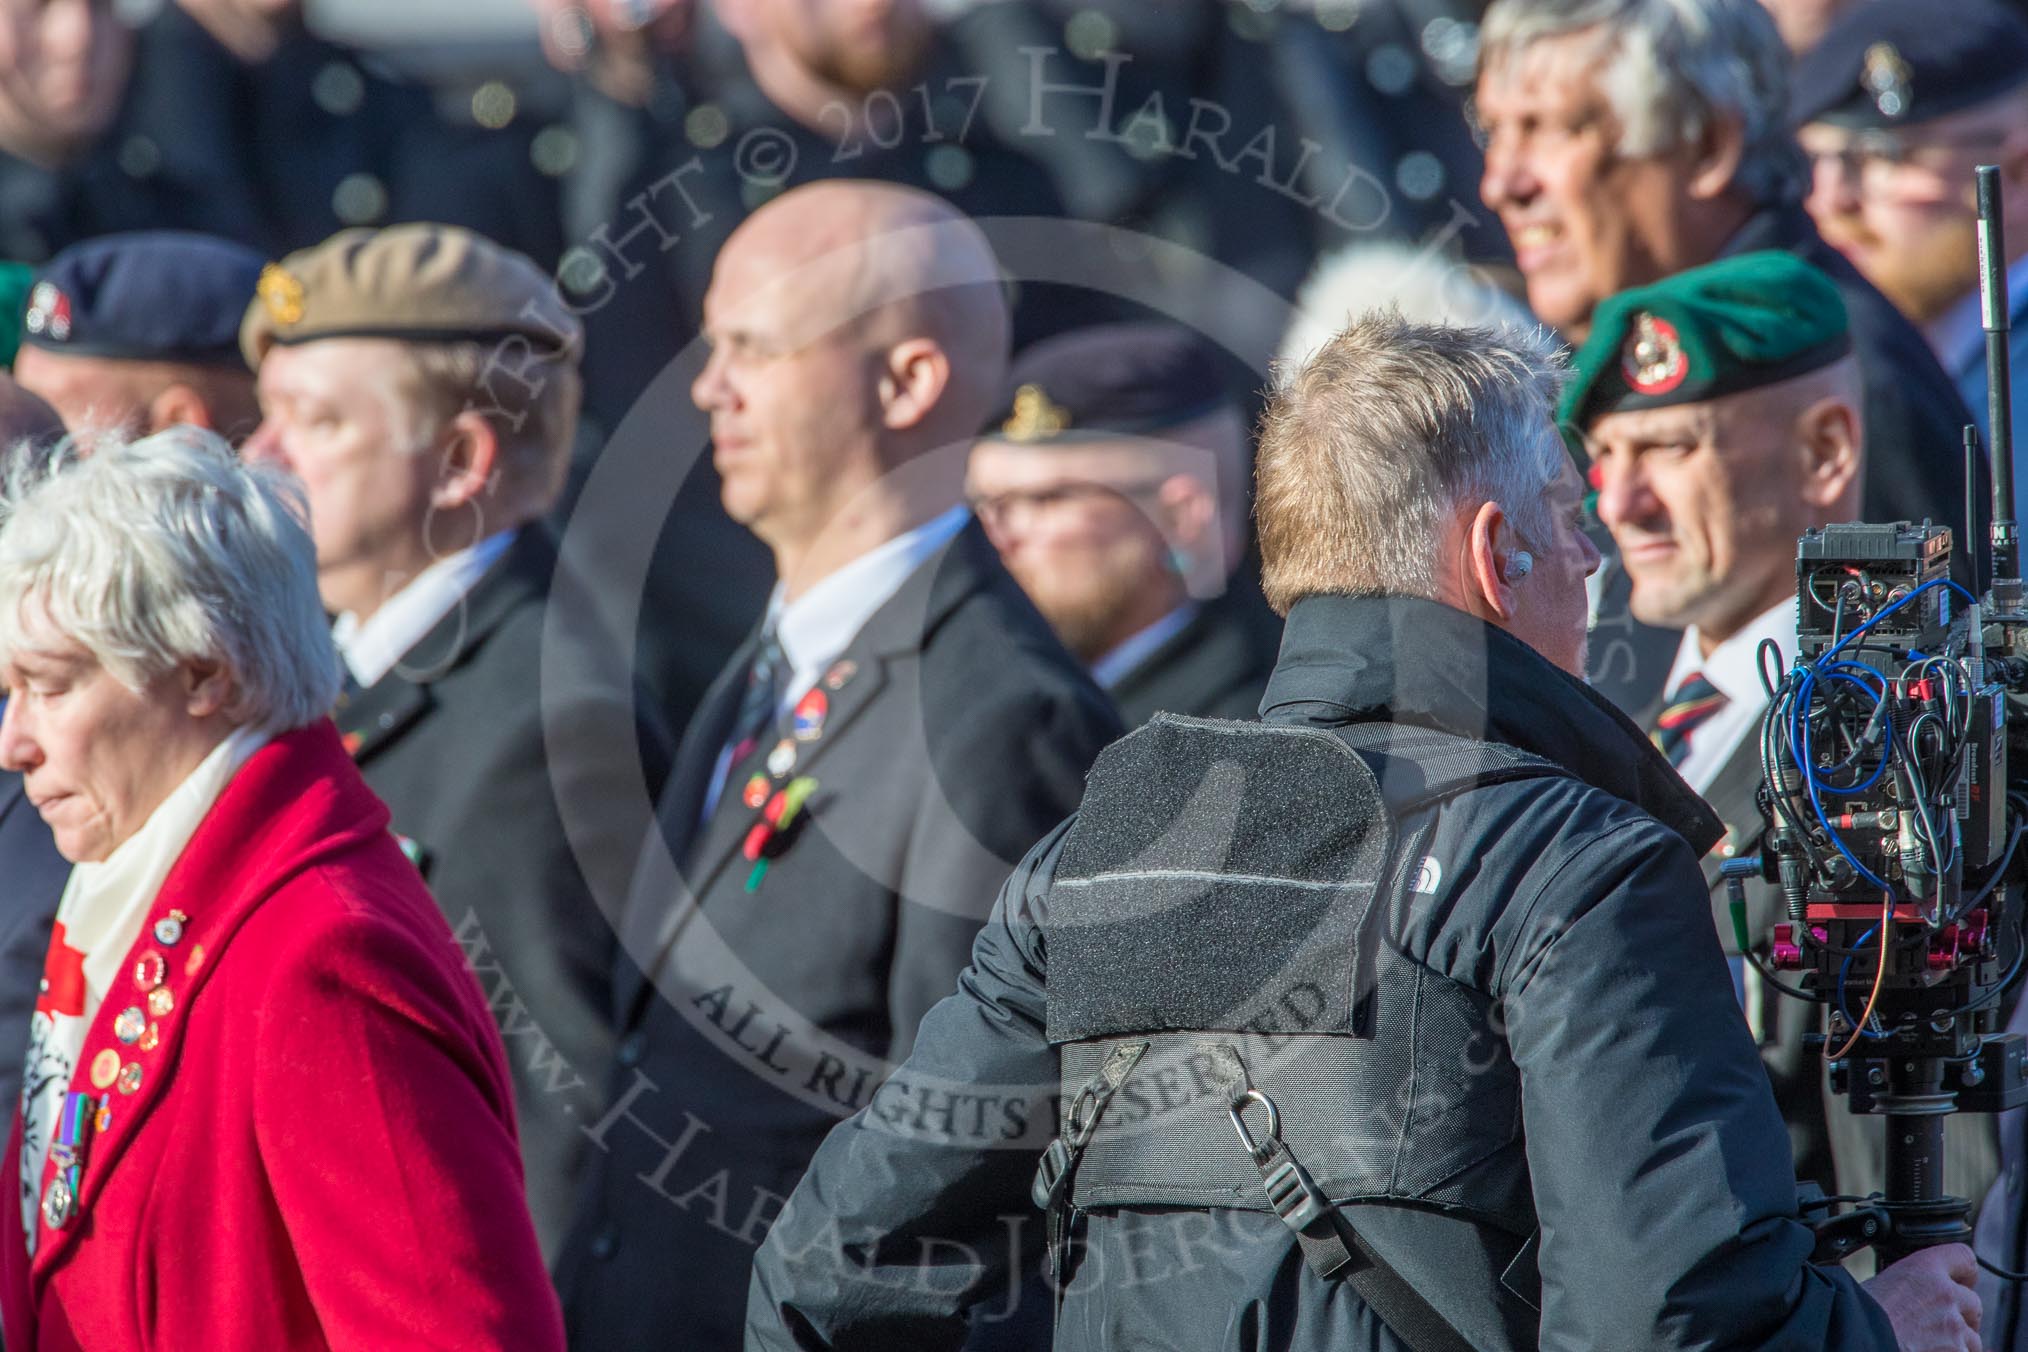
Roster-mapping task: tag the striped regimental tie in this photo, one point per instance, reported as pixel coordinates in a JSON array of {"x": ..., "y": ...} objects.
[
  {"x": 1690, "y": 703},
  {"x": 757, "y": 702}
]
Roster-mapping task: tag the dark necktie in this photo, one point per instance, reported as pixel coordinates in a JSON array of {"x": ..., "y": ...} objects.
[
  {"x": 757, "y": 702},
  {"x": 1689, "y": 704}
]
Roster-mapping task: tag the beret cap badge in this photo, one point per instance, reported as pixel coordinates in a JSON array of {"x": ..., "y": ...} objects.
[
  {"x": 1886, "y": 77},
  {"x": 48, "y": 312},
  {"x": 1652, "y": 359},
  {"x": 282, "y": 294},
  {"x": 1036, "y": 417}
]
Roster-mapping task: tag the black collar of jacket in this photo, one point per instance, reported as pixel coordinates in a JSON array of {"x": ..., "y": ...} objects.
[
  {"x": 1353, "y": 659},
  {"x": 399, "y": 697}
]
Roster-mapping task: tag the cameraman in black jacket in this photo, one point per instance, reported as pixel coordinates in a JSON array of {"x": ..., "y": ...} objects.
[{"x": 1540, "y": 1109}]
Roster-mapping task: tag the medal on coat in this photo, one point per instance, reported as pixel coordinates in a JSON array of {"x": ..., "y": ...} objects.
[{"x": 74, "y": 1127}]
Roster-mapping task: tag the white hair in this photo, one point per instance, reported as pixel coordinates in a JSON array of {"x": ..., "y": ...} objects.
[
  {"x": 1421, "y": 286},
  {"x": 1672, "y": 66},
  {"x": 167, "y": 550},
  {"x": 1367, "y": 450}
]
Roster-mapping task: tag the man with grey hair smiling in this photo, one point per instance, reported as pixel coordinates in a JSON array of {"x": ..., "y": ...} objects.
[
  {"x": 1627, "y": 140},
  {"x": 1402, "y": 1007}
]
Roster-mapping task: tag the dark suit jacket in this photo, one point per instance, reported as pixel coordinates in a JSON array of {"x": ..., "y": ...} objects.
[
  {"x": 32, "y": 875},
  {"x": 1214, "y": 667},
  {"x": 1844, "y": 1152},
  {"x": 962, "y": 734},
  {"x": 473, "y": 745}
]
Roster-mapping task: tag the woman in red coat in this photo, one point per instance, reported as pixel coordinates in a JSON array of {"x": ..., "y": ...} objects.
[{"x": 266, "y": 1106}]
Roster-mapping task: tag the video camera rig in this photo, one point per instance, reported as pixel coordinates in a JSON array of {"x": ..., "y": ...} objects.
[{"x": 1894, "y": 768}]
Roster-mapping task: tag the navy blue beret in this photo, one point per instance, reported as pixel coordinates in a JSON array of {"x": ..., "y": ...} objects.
[
  {"x": 152, "y": 295},
  {"x": 1129, "y": 379},
  {"x": 1895, "y": 63}
]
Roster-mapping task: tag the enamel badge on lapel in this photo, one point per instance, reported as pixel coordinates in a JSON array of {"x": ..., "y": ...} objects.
[
  {"x": 169, "y": 929},
  {"x": 782, "y": 759},
  {"x": 840, "y": 672},
  {"x": 755, "y": 794},
  {"x": 807, "y": 723}
]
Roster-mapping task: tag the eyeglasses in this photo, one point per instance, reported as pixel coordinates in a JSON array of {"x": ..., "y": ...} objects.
[
  {"x": 1892, "y": 153},
  {"x": 997, "y": 508}
]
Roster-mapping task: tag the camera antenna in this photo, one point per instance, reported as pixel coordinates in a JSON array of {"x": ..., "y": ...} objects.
[{"x": 1999, "y": 389}]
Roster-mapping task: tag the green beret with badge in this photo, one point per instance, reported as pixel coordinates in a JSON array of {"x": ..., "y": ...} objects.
[
  {"x": 1738, "y": 324},
  {"x": 419, "y": 283}
]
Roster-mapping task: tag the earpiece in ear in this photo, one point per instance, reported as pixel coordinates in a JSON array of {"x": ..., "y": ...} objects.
[{"x": 1519, "y": 565}]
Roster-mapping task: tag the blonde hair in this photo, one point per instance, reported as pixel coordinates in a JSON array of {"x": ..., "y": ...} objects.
[{"x": 1367, "y": 448}]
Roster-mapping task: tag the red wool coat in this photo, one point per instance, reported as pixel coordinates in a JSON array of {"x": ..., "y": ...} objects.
[{"x": 317, "y": 1149}]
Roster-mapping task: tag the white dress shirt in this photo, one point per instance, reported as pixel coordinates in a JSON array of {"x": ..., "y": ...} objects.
[
  {"x": 1114, "y": 667},
  {"x": 1734, "y": 668},
  {"x": 817, "y": 627},
  {"x": 373, "y": 648}
]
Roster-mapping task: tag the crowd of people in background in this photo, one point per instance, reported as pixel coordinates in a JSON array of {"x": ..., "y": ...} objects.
[{"x": 738, "y": 463}]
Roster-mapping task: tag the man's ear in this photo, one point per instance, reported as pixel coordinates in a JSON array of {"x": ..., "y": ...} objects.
[
  {"x": 179, "y": 404},
  {"x": 1188, "y": 513},
  {"x": 1718, "y": 153},
  {"x": 916, "y": 375},
  {"x": 2013, "y": 161},
  {"x": 1190, "y": 527},
  {"x": 1482, "y": 574},
  {"x": 468, "y": 460},
  {"x": 1828, "y": 440}
]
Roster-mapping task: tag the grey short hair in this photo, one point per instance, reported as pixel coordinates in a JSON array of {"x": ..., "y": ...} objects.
[
  {"x": 1675, "y": 65},
  {"x": 170, "y": 549},
  {"x": 1367, "y": 449},
  {"x": 536, "y": 427}
]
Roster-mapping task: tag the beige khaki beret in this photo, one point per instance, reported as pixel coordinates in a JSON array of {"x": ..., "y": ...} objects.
[{"x": 421, "y": 283}]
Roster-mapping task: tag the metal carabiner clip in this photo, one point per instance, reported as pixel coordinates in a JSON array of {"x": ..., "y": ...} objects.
[{"x": 1237, "y": 1110}]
